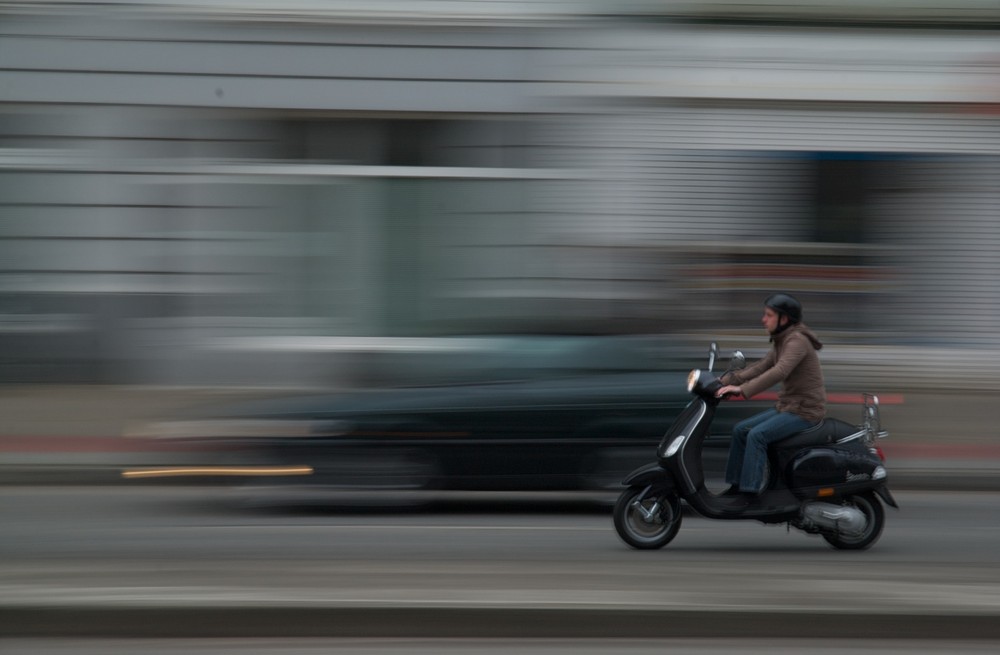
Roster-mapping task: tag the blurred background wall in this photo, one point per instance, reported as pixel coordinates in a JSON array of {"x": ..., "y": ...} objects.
[{"x": 239, "y": 192}]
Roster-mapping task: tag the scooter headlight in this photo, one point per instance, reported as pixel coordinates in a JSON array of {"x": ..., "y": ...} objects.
[{"x": 693, "y": 377}]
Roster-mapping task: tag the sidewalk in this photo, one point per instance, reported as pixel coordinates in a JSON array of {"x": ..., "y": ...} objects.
[{"x": 72, "y": 435}]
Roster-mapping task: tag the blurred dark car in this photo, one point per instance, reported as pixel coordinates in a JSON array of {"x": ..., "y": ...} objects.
[{"x": 557, "y": 428}]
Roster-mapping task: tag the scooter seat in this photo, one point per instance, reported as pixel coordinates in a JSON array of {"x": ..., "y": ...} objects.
[{"x": 825, "y": 432}]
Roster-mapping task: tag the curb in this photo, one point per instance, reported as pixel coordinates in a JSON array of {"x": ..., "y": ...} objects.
[{"x": 450, "y": 622}]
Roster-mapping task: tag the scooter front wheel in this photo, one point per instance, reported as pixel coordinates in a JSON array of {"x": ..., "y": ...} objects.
[{"x": 647, "y": 522}]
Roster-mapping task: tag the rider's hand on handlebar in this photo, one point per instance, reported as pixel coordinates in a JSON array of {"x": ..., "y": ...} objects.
[{"x": 728, "y": 390}]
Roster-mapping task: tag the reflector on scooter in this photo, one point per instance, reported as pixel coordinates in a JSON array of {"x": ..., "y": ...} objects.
[
  {"x": 825, "y": 492},
  {"x": 675, "y": 445}
]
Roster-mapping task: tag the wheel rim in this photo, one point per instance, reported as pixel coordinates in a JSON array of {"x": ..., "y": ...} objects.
[
  {"x": 861, "y": 505},
  {"x": 873, "y": 525},
  {"x": 646, "y": 521}
]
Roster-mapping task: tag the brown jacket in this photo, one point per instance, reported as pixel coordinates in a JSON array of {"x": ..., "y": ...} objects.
[{"x": 794, "y": 362}]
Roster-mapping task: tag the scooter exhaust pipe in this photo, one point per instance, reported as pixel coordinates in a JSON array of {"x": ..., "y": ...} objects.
[{"x": 826, "y": 516}]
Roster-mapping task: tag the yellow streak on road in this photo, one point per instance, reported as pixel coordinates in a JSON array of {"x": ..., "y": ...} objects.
[{"x": 217, "y": 470}]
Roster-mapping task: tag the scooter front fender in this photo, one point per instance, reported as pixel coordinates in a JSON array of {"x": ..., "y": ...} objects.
[{"x": 650, "y": 474}]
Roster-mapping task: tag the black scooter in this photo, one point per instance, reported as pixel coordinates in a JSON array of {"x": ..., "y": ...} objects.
[{"x": 826, "y": 480}]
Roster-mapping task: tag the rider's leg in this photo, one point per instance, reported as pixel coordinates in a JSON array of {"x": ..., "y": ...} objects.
[
  {"x": 764, "y": 433},
  {"x": 737, "y": 447}
]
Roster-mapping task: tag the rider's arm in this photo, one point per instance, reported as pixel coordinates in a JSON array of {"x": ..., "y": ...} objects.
[
  {"x": 760, "y": 366},
  {"x": 733, "y": 379},
  {"x": 793, "y": 351}
]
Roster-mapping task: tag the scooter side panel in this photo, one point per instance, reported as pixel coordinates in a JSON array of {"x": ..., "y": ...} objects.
[{"x": 832, "y": 466}]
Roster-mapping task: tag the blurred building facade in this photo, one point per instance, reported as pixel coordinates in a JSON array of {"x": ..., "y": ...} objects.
[{"x": 240, "y": 193}]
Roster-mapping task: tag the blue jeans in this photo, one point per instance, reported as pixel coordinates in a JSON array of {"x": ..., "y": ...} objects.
[{"x": 748, "y": 451}]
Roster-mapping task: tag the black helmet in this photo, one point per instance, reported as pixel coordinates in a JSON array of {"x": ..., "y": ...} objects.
[{"x": 786, "y": 305}]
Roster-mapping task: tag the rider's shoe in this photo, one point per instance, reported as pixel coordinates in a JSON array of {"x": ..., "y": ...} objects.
[{"x": 733, "y": 490}]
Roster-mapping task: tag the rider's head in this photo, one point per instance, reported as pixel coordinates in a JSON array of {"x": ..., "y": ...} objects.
[{"x": 785, "y": 311}]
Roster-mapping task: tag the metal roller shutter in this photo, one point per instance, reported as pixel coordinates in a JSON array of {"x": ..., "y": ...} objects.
[{"x": 733, "y": 178}]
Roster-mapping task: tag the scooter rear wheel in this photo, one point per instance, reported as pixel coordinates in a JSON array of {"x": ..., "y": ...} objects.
[
  {"x": 869, "y": 505},
  {"x": 649, "y": 523}
]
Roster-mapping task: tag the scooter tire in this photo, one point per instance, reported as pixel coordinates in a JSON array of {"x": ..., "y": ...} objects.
[
  {"x": 870, "y": 506},
  {"x": 649, "y": 523}
]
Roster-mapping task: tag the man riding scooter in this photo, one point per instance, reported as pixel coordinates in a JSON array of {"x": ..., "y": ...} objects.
[
  {"x": 793, "y": 362},
  {"x": 828, "y": 479}
]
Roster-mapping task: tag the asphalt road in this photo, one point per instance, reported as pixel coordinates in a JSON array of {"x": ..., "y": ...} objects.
[
  {"x": 183, "y": 562},
  {"x": 489, "y": 647}
]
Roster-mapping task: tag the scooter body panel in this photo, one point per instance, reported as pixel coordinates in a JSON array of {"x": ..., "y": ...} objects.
[
  {"x": 831, "y": 472},
  {"x": 831, "y": 466},
  {"x": 650, "y": 474}
]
